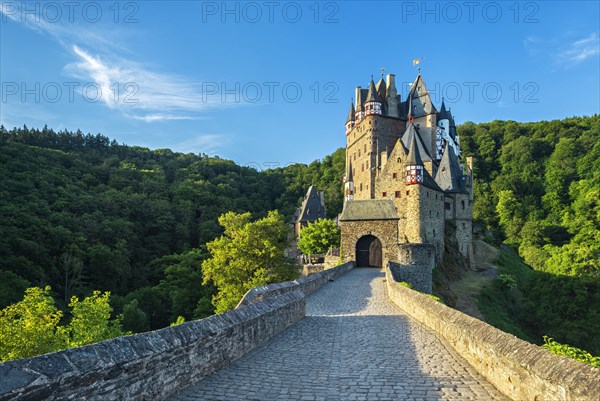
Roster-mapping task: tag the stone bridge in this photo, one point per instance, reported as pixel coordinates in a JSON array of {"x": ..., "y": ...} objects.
[
  {"x": 353, "y": 344},
  {"x": 358, "y": 335}
]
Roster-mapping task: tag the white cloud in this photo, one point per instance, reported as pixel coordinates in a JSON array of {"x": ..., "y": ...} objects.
[
  {"x": 580, "y": 50},
  {"x": 140, "y": 93},
  {"x": 124, "y": 85}
]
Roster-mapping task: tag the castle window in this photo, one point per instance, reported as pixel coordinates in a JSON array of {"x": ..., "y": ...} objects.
[
  {"x": 397, "y": 194},
  {"x": 427, "y": 194},
  {"x": 463, "y": 204},
  {"x": 362, "y": 167},
  {"x": 395, "y": 176},
  {"x": 447, "y": 205},
  {"x": 407, "y": 193},
  {"x": 358, "y": 152},
  {"x": 435, "y": 196},
  {"x": 464, "y": 225},
  {"x": 361, "y": 186},
  {"x": 384, "y": 194},
  {"x": 399, "y": 160},
  {"x": 365, "y": 148},
  {"x": 367, "y": 164}
]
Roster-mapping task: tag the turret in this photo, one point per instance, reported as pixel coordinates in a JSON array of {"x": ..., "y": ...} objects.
[
  {"x": 349, "y": 184},
  {"x": 351, "y": 120},
  {"x": 359, "y": 113},
  {"x": 443, "y": 132},
  {"x": 414, "y": 165},
  {"x": 373, "y": 105},
  {"x": 391, "y": 96}
]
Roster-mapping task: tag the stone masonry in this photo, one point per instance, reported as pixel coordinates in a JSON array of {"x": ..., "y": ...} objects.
[{"x": 354, "y": 344}]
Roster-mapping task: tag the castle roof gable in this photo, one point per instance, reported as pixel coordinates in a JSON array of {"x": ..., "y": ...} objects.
[
  {"x": 312, "y": 208},
  {"x": 369, "y": 209},
  {"x": 449, "y": 175}
]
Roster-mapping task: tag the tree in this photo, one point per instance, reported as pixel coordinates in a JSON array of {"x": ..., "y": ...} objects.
[
  {"x": 134, "y": 319},
  {"x": 248, "y": 254},
  {"x": 91, "y": 320},
  {"x": 30, "y": 327},
  {"x": 319, "y": 237}
]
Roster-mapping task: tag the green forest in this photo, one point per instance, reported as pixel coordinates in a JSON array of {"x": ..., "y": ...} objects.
[{"x": 82, "y": 213}]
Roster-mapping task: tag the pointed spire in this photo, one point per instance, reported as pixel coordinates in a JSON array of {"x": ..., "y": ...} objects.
[
  {"x": 372, "y": 96},
  {"x": 443, "y": 114},
  {"x": 414, "y": 156},
  {"x": 449, "y": 174},
  {"x": 351, "y": 116}
]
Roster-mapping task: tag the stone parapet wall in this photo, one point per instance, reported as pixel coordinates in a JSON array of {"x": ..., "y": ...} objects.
[
  {"x": 416, "y": 266},
  {"x": 520, "y": 370},
  {"x": 307, "y": 285},
  {"x": 153, "y": 365},
  {"x": 157, "y": 364}
]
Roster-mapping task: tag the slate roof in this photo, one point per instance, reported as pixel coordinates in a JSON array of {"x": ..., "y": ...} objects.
[
  {"x": 311, "y": 209},
  {"x": 372, "y": 95},
  {"x": 369, "y": 209},
  {"x": 449, "y": 175},
  {"x": 411, "y": 132},
  {"x": 443, "y": 114},
  {"x": 414, "y": 156},
  {"x": 351, "y": 113}
]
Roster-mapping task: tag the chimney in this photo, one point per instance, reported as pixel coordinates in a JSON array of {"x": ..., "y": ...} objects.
[
  {"x": 391, "y": 95},
  {"x": 358, "y": 99}
]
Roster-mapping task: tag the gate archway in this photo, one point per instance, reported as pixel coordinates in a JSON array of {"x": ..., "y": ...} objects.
[{"x": 368, "y": 252}]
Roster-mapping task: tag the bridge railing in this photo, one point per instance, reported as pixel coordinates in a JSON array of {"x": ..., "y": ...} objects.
[
  {"x": 520, "y": 370},
  {"x": 307, "y": 285},
  {"x": 157, "y": 364}
]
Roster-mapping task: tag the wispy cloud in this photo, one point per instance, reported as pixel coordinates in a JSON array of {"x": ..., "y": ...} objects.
[
  {"x": 122, "y": 84},
  {"x": 565, "y": 50},
  {"x": 140, "y": 93}
]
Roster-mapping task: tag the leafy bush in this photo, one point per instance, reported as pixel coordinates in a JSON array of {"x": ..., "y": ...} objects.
[{"x": 571, "y": 352}]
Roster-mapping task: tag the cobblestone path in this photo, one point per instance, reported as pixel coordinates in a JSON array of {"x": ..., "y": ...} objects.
[{"x": 354, "y": 344}]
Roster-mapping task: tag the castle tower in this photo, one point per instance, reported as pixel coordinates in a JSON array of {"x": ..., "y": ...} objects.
[
  {"x": 373, "y": 104},
  {"x": 414, "y": 165},
  {"x": 351, "y": 120}
]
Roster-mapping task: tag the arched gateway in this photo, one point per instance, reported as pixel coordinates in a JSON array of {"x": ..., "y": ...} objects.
[{"x": 368, "y": 252}]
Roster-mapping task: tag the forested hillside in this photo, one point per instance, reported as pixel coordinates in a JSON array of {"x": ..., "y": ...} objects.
[
  {"x": 537, "y": 188},
  {"x": 82, "y": 213}
]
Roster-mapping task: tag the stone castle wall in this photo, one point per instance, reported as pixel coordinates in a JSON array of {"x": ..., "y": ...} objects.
[
  {"x": 520, "y": 370},
  {"x": 154, "y": 365},
  {"x": 416, "y": 263}
]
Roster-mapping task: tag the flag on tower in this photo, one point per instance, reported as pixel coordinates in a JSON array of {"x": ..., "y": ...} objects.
[{"x": 417, "y": 61}]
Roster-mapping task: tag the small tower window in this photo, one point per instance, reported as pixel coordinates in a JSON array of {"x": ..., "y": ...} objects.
[
  {"x": 463, "y": 204},
  {"x": 397, "y": 194},
  {"x": 447, "y": 205},
  {"x": 384, "y": 194},
  {"x": 395, "y": 176}
]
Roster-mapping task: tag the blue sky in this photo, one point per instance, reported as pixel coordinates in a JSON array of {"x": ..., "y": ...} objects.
[{"x": 269, "y": 83}]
